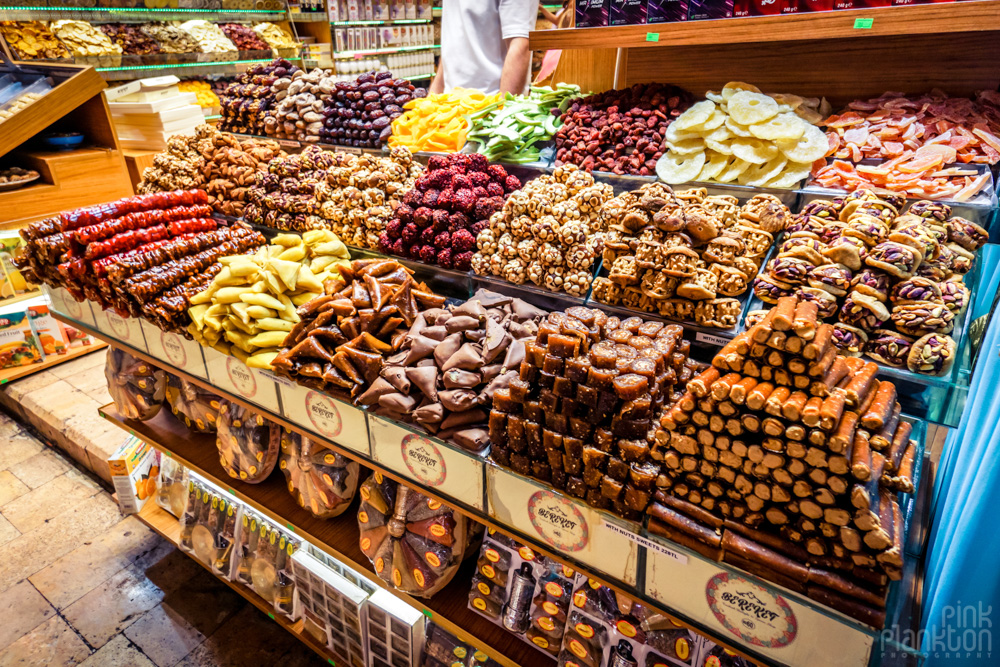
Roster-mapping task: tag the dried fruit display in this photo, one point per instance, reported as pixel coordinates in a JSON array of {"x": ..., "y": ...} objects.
[
  {"x": 580, "y": 414},
  {"x": 131, "y": 38},
  {"x": 353, "y": 195},
  {"x": 685, "y": 255},
  {"x": 82, "y": 39},
  {"x": 298, "y": 109},
  {"x": 208, "y": 36},
  {"x": 620, "y": 131},
  {"x": 785, "y": 459},
  {"x": 891, "y": 282},
  {"x": 171, "y": 38},
  {"x": 360, "y": 112},
  {"x": 548, "y": 232},
  {"x": 244, "y": 37},
  {"x": 437, "y": 122},
  {"x": 343, "y": 337},
  {"x": 513, "y": 130},
  {"x": 414, "y": 542},
  {"x": 321, "y": 480},
  {"x": 249, "y": 307},
  {"x": 248, "y": 443},
  {"x": 451, "y": 362},
  {"x": 275, "y": 36},
  {"x": 206, "y": 97},
  {"x": 922, "y": 173},
  {"x": 437, "y": 221},
  {"x": 32, "y": 40},
  {"x": 137, "y": 388},
  {"x": 742, "y": 135},
  {"x": 247, "y": 103}
]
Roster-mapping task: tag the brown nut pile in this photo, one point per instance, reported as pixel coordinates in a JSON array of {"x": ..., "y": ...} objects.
[
  {"x": 354, "y": 195},
  {"x": 31, "y": 40},
  {"x": 171, "y": 38},
  {"x": 891, "y": 282},
  {"x": 245, "y": 102},
  {"x": 548, "y": 232},
  {"x": 298, "y": 112},
  {"x": 131, "y": 38},
  {"x": 685, "y": 255}
]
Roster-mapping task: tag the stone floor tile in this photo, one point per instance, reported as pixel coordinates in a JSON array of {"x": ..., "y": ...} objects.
[
  {"x": 7, "y": 531},
  {"x": 40, "y": 468},
  {"x": 113, "y": 606},
  {"x": 88, "y": 361},
  {"x": 11, "y": 487},
  {"x": 29, "y": 553},
  {"x": 89, "y": 380},
  {"x": 53, "y": 643},
  {"x": 23, "y": 609},
  {"x": 48, "y": 501},
  {"x": 19, "y": 388},
  {"x": 164, "y": 635},
  {"x": 90, "y": 431},
  {"x": 8, "y": 426},
  {"x": 16, "y": 448},
  {"x": 77, "y": 573},
  {"x": 119, "y": 652}
]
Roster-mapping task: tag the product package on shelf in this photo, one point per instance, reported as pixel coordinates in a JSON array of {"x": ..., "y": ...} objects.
[
  {"x": 137, "y": 388},
  {"x": 18, "y": 344},
  {"x": 12, "y": 282},
  {"x": 443, "y": 649},
  {"x": 332, "y": 604},
  {"x": 208, "y": 526},
  {"x": 263, "y": 560},
  {"x": 414, "y": 542},
  {"x": 395, "y": 631},
  {"x": 248, "y": 443},
  {"x": 134, "y": 468},
  {"x": 196, "y": 408},
  {"x": 50, "y": 334},
  {"x": 172, "y": 486},
  {"x": 321, "y": 480},
  {"x": 525, "y": 593}
]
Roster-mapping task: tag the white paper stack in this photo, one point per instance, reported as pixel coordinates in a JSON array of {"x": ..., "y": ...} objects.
[{"x": 147, "y": 117}]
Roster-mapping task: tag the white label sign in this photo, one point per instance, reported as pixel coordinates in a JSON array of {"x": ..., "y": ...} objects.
[
  {"x": 63, "y": 302},
  {"x": 428, "y": 461},
  {"x": 329, "y": 418},
  {"x": 125, "y": 329},
  {"x": 711, "y": 339},
  {"x": 232, "y": 375},
  {"x": 566, "y": 525},
  {"x": 750, "y": 612},
  {"x": 175, "y": 350}
]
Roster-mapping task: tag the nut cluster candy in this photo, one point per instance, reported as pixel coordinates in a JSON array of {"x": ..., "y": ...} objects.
[
  {"x": 360, "y": 112},
  {"x": 548, "y": 232},
  {"x": 351, "y": 194},
  {"x": 247, "y": 102},
  {"x": 620, "y": 131},
  {"x": 449, "y": 204},
  {"x": 891, "y": 282},
  {"x": 581, "y": 412},
  {"x": 208, "y": 36},
  {"x": 171, "y": 38},
  {"x": 83, "y": 39},
  {"x": 685, "y": 255},
  {"x": 451, "y": 362},
  {"x": 32, "y": 40},
  {"x": 131, "y": 38},
  {"x": 244, "y": 37}
]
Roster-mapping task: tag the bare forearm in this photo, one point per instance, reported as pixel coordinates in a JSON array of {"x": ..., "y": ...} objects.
[
  {"x": 514, "y": 77},
  {"x": 437, "y": 83}
]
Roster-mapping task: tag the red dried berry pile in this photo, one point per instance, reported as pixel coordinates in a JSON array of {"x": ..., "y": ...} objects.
[{"x": 449, "y": 205}]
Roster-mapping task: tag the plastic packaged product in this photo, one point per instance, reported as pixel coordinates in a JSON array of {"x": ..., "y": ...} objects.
[
  {"x": 414, "y": 542},
  {"x": 263, "y": 561},
  {"x": 208, "y": 527},
  {"x": 248, "y": 443},
  {"x": 172, "y": 487},
  {"x": 443, "y": 649},
  {"x": 321, "y": 480},
  {"x": 197, "y": 408},
  {"x": 136, "y": 387}
]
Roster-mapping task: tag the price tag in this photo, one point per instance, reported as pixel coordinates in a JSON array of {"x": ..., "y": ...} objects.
[
  {"x": 863, "y": 24},
  {"x": 232, "y": 375},
  {"x": 710, "y": 339},
  {"x": 174, "y": 350},
  {"x": 652, "y": 36},
  {"x": 350, "y": 149},
  {"x": 329, "y": 418},
  {"x": 288, "y": 143}
]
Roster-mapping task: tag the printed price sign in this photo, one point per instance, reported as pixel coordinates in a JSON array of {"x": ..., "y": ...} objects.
[
  {"x": 329, "y": 418},
  {"x": 174, "y": 350},
  {"x": 232, "y": 375},
  {"x": 125, "y": 329}
]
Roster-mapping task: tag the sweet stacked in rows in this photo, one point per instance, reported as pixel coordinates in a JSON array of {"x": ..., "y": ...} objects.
[
  {"x": 548, "y": 232},
  {"x": 891, "y": 282},
  {"x": 360, "y": 112},
  {"x": 581, "y": 413},
  {"x": 685, "y": 255},
  {"x": 449, "y": 204},
  {"x": 143, "y": 256},
  {"x": 246, "y": 103},
  {"x": 785, "y": 458}
]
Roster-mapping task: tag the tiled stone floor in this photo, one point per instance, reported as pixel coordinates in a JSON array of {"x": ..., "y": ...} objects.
[{"x": 82, "y": 585}]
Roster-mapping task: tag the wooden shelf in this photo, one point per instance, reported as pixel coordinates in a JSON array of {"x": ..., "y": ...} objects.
[
  {"x": 338, "y": 537},
  {"x": 18, "y": 372},
  {"x": 983, "y": 15},
  {"x": 168, "y": 527}
]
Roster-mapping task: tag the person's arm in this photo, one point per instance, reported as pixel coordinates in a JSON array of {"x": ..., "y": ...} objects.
[
  {"x": 437, "y": 84},
  {"x": 514, "y": 77},
  {"x": 549, "y": 16}
]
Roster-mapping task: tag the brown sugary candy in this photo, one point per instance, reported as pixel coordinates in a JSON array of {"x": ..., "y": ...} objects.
[
  {"x": 559, "y": 478},
  {"x": 555, "y": 458},
  {"x": 611, "y": 488},
  {"x": 784, "y": 314},
  {"x": 557, "y": 422},
  {"x": 586, "y": 396},
  {"x": 633, "y": 450},
  {"x": 592, "y": 476},
  {"x": 498, "y": 427},
  {"x": 630, "y": 386},
  {"x": 804, "y": 323},
  {"x": 603, "y": 356},
  {"x": 572, "y": 464},
  {"x": 520, "y": 463},
  {"x": 552, "y": 440},
  {"x": 576, "y": 369},
  {"x": 565, "y": 347},
  {"x": 541, "y": 470},
  {"x": 617, "y": 469},
  {"x": 534, "y": 352},
  {"x": 528, "y": 372},
  {"x": 604, "y": 439},
  {"x": 636, "y": 499},
  {"x": 552, "y": 364},
  {"x": 533, "y": 411},
  {"x": 503, "y": 402},
  {"x": 563, "y": 387}
]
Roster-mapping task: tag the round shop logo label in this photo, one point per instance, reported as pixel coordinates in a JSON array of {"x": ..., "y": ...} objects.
[
  {"x": 323, "y": 414},
  {"x": 173, "y": 348},
  {"x": 118, "y": 325},
  {"x": 751, "y": 612},
  {"x": 424, "y": 460},
  {"x": 73, "y": 307},
  {"x": 241, "y": 377},
  {"x": 558, "y": 521}
]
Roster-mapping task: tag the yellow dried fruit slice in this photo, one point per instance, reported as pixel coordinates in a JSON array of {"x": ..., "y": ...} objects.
[
  {"x": 753, "y": 150},
  {"x": 687, "y": 147},
  {"x": 735, "y": 167},
  {"x": 750, "y": 108},
  {"x": 734, "y": 87},
  {"x": 674, "y": 135},
  {"x": 785, "y": 127},
  {"x": 675, "y": 169},
  {"x": 758, "y": 175},
  {"x": 791, "y": 175},
  {"x": 714, "y": 164},
  {"x": 738, "y": 129},
  {"x": 808, "y": 148},
  {"x": 714, "y": 121},
  {"x": 794, "y": 101},
  {"x": 695, "y": 116}
]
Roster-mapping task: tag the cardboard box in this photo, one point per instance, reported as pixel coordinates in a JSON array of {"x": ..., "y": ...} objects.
[
  {"x": 710, "y": 9},
  {"x": 12, "y": 283},
  {"x": 134, "y": 468}
]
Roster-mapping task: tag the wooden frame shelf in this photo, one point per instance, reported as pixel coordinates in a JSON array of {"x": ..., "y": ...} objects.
[{"x": 18, "y": 372}]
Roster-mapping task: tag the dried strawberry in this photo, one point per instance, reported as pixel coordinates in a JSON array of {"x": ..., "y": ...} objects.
[
  {"x": 413, "y": 198},
  {"x": 398, "y": 248},
  {"x": 422, "y": 216},
  {"x": 384, "y": 243},
  {"x": 463, "y": 261},
  {"x": 480, "y": 192},
  {"x": 431, "y": 197},
  {"x": 427, "y": 254},
  {"x": 442, "y": 240},
  {"x": 465, "y": 201},
  {"x": 458, "y": 221},
  {"x": 477, "y": 162},
  {"x": 437, "y": 162},
  {"x": 446, "y": 200},
  {"x": 497, "y": 173},
  {"x": 427, "y": 236},
  {"x": 444, "y": 258},
  {"x": 479, "y": 179},
  {"x": 494, "y": 189},
  {"x": 487, "y": 206},
  {"x": 463, "y": 240},
  {"x": 404, "y": 212},
  {"x": 512, "y": 183},
  {"x": 394, "y": 228},
  {"x": 480, "y": 226},
  {"x": 410, "y": 233},
  {"x": 461, "y": 181}
]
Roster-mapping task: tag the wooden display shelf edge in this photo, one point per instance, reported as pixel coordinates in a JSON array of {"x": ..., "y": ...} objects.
[
  {"x": 539, "y": 547},
  {"x": 339, "y": 536},
  {"x": 18, "y": 372},
  {"x": 980, "y": 15},
  {"x": 166, "y": 526}
]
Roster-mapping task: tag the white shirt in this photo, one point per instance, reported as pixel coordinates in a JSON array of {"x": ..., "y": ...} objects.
[{"x": 472, "y": 39}]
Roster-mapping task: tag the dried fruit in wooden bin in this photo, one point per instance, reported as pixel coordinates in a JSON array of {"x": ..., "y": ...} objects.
[
  {"x": 197, "y": 408},
  {"x": 414, "y": 542},
  {"x": 321, "y": 480},
  {"x": 342, "y": 337},
  {"x": 437, "y": 123},
  {"x": 136, "y": 387},
  {"x": 248, "y": 443}
]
